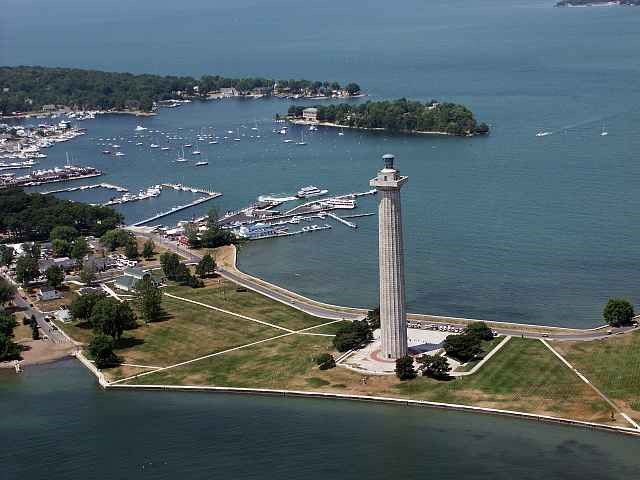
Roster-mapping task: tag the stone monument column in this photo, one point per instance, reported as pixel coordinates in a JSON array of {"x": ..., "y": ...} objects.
[{"x": 393, "y": 313}]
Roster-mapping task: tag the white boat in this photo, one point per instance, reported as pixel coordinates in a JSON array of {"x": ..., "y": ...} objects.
[
  {"x": 181, "y": 157},
  {"x": 213, "y": 142},
  {"x": 164, "y": 148},
  {"x": 312, "y": 128},
  {"x": 119, "y": 154},
  {"x": 310, "y": 191},
  {"x": 542, "y": 134},
  {"x": 288, "y": 140},
  {"x": 345, "y": 203},
  {"x": 604, "y": 133},
  {"x": 341, "y": 132},
  {"x": 301, "y": 142},
  {"x": 140, "y": 128},
  {"x": 200, "y": 164},
  {"x": 153, "y": 145}
]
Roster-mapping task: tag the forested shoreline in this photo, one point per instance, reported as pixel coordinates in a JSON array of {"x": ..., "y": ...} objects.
[
  {"x": 29, "y": 89},
  {"x": 398, "y": 115}
]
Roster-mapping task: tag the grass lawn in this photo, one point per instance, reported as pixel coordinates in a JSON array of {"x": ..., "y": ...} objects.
[
  {"x": 222, "y": 294},
  {"x": 612, "y": 364},
  {"x": 189, "y": 331},
  {"x": 487, "y": 346},
  {"x": 523, "y": 376}
]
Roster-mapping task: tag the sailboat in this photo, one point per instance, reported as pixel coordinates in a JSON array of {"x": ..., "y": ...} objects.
[
  {"x": 301, "y": 142},
  {"x": 256, "y": 125},
  {"x": 237, "y": 139},
  {"x": 604, "y": 133},
  {"x": 341, "y": 132},
  {"x": 181, "y": 157},
  {"x": 197, "y": 150}
]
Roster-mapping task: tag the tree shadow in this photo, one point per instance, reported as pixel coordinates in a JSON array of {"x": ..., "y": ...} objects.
[
  {"x": 127, "y": 342},
  {"x": 163, "y": 316}
]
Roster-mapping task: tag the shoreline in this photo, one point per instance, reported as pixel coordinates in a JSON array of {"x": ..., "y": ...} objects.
[
  {"x": 405, "y": 132},
  {"x": 23, "y": 115},
  {"x": 385, "y": 400}
]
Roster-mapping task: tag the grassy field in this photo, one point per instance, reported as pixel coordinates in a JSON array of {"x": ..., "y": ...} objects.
[
  {"x": 223, "y": 294},
  {"x": 612, "y": 364},
  {"x": 187, "y": 332},
  {"x": 487, "y": 346},
  {"x": 523, "y": 376}
]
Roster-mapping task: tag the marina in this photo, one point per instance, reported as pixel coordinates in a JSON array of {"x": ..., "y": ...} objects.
[
  {"x": 107, "y": 186},
  {"x": 53, "y": 175},
  {"x": 176, "y": 209}
]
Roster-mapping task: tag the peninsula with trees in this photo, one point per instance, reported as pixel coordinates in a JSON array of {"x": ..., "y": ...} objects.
[
  {"x": 402, "y": 116},
  {"x": 34, "y": 89}
]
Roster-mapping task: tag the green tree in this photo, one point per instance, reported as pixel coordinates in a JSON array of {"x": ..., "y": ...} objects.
[
  {"x": 404, "y": 368},
  {"x": 9, "y": 350},
  {"x": 110, "y": 317},
  {"x": 60, "y": 247},
  {"x": 373, "y": 317},
  {"x": 148, "y": 300},
  {"x": 480, "y": 330},
  {"x": 206, "y": 266},
  {"x": 618, "y": 312},
  {"x": 6, "y": 255},
  {"x": 115, "y": 238},
  {"x": 101, "y": 349},
  {"x": 7, "y": 291},
  {"x": 131, "y": 249},
  {"x": 352, "y": 88},
  {"x": 27, "y": 269},
  {"x": 55, "y": 276},
  {"x": 435, "y": 366},
  {"x": 170, "y": 263},
  {"x": 88, "y": 273},
  {"x": 79, "y": 249},
  {"x": 462, "y": 347},
  {"x": 148, "y": 249},
  {"x": 82, "y": 305},
  {"x": 353, "y": 335},
  {"x": 325, "y": 361},
  {"x": 35, "y": 331},
  {"x": 7, "y": 324},
  {"x": 64, "y": 232}
]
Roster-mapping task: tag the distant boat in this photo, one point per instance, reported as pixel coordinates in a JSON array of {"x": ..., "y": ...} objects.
[
  {"x": 604, "y": 133},
  {"x": 196, "y": 151},
  {"x": 119, "y": 154},
  {"x": 164, "y": 148},
  {"x": 187, "y": 145},
  {"x": 106, "y": 152},
  {"x": 140, "y": 128},
  {"x": 200, "y": 164},
  {"x": 301, "y": 142},
  {"x": 341, "y": 132},
  {"x": 312, "y": 128},
  {"x": 542, "y": 134},
  {"x": 139, "y": 143},
  {"x": 288, "y": 141},
  {"x": 153, "y": 145},
  {"x": 181, "y": 157},
  {"x": 213, "y": 142}
]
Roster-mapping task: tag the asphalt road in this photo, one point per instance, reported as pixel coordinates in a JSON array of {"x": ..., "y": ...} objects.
[{"x": 332, "y": 314}]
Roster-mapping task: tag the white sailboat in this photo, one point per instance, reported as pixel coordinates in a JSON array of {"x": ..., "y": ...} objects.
[
  {"x": 181, "y": 157},
  {"x": 301, "y": 142},
  {"x": 341, "y": 132},
  {"x": 197, "y": 150},
  {"x": 604, "y": 133}
]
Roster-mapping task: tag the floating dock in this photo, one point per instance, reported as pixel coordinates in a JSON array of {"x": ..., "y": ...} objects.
[
  {"x": 342, "y": 220},
  {"x": 108, "y": 186},
  {"x": 179, "y": 208}
]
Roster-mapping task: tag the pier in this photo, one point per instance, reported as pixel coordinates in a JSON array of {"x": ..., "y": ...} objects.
[
  {"x": 108, "y": 186},
  {"x": 184, "y": 188},
  {"x": 342, "y": 220},
  {"x": 179, "y": 208}
]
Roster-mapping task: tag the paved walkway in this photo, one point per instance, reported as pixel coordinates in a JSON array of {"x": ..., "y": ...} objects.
[{"x": 610, "y": 402}]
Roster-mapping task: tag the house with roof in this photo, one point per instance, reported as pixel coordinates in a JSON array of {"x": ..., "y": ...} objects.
[
  {"x": 310, "y": 114},
  {"x": 45, "y": 294},
  {"x": 131, "y": 276},
  {"x": 65, "y": 263}
]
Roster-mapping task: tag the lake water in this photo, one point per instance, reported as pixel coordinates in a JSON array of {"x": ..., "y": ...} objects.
[
  {"x": 511, "y": 227},
  {"x": 57, "y": 424}
]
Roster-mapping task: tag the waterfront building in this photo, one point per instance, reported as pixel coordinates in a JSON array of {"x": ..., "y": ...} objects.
[
  {"x": 393, "y": 313},
  {"x": 310, "y": 114}
]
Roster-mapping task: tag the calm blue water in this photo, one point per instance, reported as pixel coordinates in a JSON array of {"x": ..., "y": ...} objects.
[
  {"x": 509, "y": 227},
  {"x": 59, "y": 425}
]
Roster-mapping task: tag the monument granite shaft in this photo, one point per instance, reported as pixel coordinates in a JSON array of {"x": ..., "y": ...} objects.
[{"x": 393, "y": 313}]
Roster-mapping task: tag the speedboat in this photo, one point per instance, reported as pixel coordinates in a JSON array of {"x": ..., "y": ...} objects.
[
  {"x": 200, "y": 164},
  {"x": 542, "y": 134}
]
